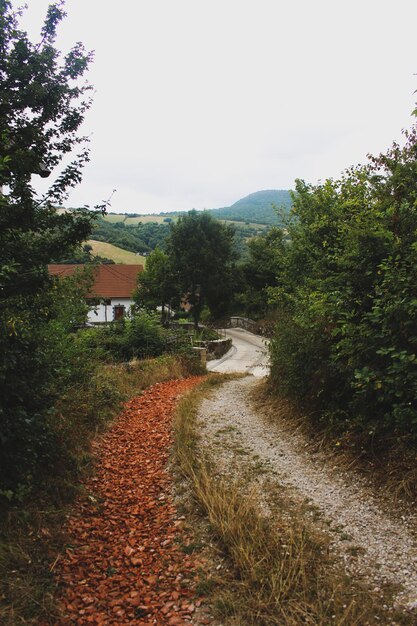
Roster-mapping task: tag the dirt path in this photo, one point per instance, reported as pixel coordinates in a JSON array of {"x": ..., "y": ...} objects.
[
  {"x": 124, "y": 563},
  {"x": 378, "y": 547}
]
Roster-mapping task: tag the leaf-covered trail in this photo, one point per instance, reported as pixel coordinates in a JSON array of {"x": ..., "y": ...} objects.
[{"x": 124, "y": 565}]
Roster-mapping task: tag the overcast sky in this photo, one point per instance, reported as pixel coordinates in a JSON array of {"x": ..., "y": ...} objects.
[{"x": 199, "y": 103}]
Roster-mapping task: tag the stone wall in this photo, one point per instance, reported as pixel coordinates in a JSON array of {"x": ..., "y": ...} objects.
[{"x": 218, "y": 347}]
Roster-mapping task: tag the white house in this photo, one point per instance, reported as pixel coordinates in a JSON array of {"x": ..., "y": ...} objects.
[{"x": 110, "y": 295}]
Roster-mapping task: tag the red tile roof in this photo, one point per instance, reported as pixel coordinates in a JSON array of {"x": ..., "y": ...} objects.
[{"x": 110, "y": 281}]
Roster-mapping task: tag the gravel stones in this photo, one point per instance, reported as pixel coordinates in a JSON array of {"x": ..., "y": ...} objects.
[{"x": 373, "y": 544}]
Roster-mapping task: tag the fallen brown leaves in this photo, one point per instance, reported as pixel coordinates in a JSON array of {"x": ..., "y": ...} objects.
[{"x": 124, "y": 564}]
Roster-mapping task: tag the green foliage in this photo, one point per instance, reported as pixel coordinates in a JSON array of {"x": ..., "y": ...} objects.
[
  {"x": 140, "y": 336},
  {"x": 202, "y": 258},
  {"x": 252, "y": 214},
  {"x": 82, "y": 255},
  {"x": 156, "y": 286},
  {"x": 261, "y": 272},
  {"x": 42, "y": 105},
  {"x": 139, "y": 237},
  {"x": 263, "y": 209},
  {"x": 346, "y": 339},
  {"x": 39, "y": 361}
]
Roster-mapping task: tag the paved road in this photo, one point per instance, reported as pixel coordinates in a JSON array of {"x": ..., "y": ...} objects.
[{"x": 249, "y": 353}]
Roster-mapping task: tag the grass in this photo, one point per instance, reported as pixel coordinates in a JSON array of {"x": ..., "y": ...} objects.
[
  {"x": 132, "y": 378},
  {"x": 118, "y": 255},
  {"x": 147, "y": 219},
  {"x": 30, "y": 531},
  {"x": 120, "y": 217},
  {"x": 144, "y": 219},
  {"x": 243, "y": 225},
  {"x": 279, "y": 568}
]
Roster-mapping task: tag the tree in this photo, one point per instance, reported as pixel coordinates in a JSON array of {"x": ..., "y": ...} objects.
[
  {"x": 156, "y": 283},
  {"x": 42, "y": 105},
  {"x": 346, "y": 335},
  {"x": 201, "y": 253},
  {"x": 262, "y": 270}
]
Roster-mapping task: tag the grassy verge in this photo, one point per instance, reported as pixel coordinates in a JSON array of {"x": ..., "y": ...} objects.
[
  {"x": 279, "y": 570},
  {"x": 30, "y": 531}
]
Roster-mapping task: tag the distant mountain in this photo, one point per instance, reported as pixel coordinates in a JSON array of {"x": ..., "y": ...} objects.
[
  {"x": 258, "y": 207},
  {"x": 261, "y": 207}
]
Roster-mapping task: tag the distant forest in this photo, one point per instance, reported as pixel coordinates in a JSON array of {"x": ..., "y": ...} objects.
[
  {"x": 261, "y": 207},
  {"x": 142, "y": 238}
]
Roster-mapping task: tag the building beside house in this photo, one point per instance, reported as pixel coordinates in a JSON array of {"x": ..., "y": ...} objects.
[{"x": 111, "y": 294}]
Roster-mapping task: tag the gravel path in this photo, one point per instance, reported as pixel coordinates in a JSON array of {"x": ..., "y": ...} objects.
[{"x": 380, "y": 548}]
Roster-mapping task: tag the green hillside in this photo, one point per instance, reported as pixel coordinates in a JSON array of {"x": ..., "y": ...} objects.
[
  {"x": 143, "y": 233},
  {"x": 109, "y": 251},
  {"x": 257, "y": 208}
]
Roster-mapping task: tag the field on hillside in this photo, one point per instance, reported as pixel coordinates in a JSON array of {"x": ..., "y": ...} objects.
[
  {"x": 146, "y": 219},
  {"x": 131, "y": 221},
  {"x": 115, "y": 218},
  {"x": 243, "y": 225},
  {"x": 159, "y": 219},
  {"x": 118, "y": 255}
]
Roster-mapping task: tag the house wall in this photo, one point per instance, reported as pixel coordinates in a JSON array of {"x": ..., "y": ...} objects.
[{"x": 105, "y": 313}]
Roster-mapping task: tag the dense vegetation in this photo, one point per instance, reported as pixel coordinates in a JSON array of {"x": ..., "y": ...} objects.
[
  {"x": 346, "y": 293},
  {"x": 55, "y": 390},
  {"x": 143, "y": 238},
  {"x": 42, "y": 106},
  {"x": 139, "y": 237},
  {"x": 139, "y": 336},
  {"x": 258, "y": 271},
  {"x": 198, "y": 266}
]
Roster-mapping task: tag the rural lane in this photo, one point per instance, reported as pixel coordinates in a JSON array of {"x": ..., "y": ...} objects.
[{"x": 249, "y": 353}]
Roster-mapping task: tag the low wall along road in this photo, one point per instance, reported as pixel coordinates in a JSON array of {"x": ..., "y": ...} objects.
[{"x": 249, "y": 353}]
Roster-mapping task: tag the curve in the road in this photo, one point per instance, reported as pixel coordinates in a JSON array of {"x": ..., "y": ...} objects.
[{"x": 249, "y": 353}]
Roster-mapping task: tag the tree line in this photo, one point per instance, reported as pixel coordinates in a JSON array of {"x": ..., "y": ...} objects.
[{"x": 141, "y": 238}]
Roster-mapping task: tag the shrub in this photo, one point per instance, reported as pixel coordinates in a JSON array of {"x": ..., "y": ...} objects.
[
  {"x": 141, "y": 336},
  {"x": 346, "y": 335}
]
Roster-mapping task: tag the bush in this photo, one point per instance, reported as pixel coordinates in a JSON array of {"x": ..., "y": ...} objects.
[
  {"x": 346, "y": 335},
  {"x": 41, "y": 360},
  {"x": 138, "y": 337}
]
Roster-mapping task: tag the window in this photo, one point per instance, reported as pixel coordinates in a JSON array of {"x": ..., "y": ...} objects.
[{"x": 118, "y": 312}]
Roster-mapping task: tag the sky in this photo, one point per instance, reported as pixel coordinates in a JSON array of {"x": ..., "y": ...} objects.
[{"x": 199, "y": 103}]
